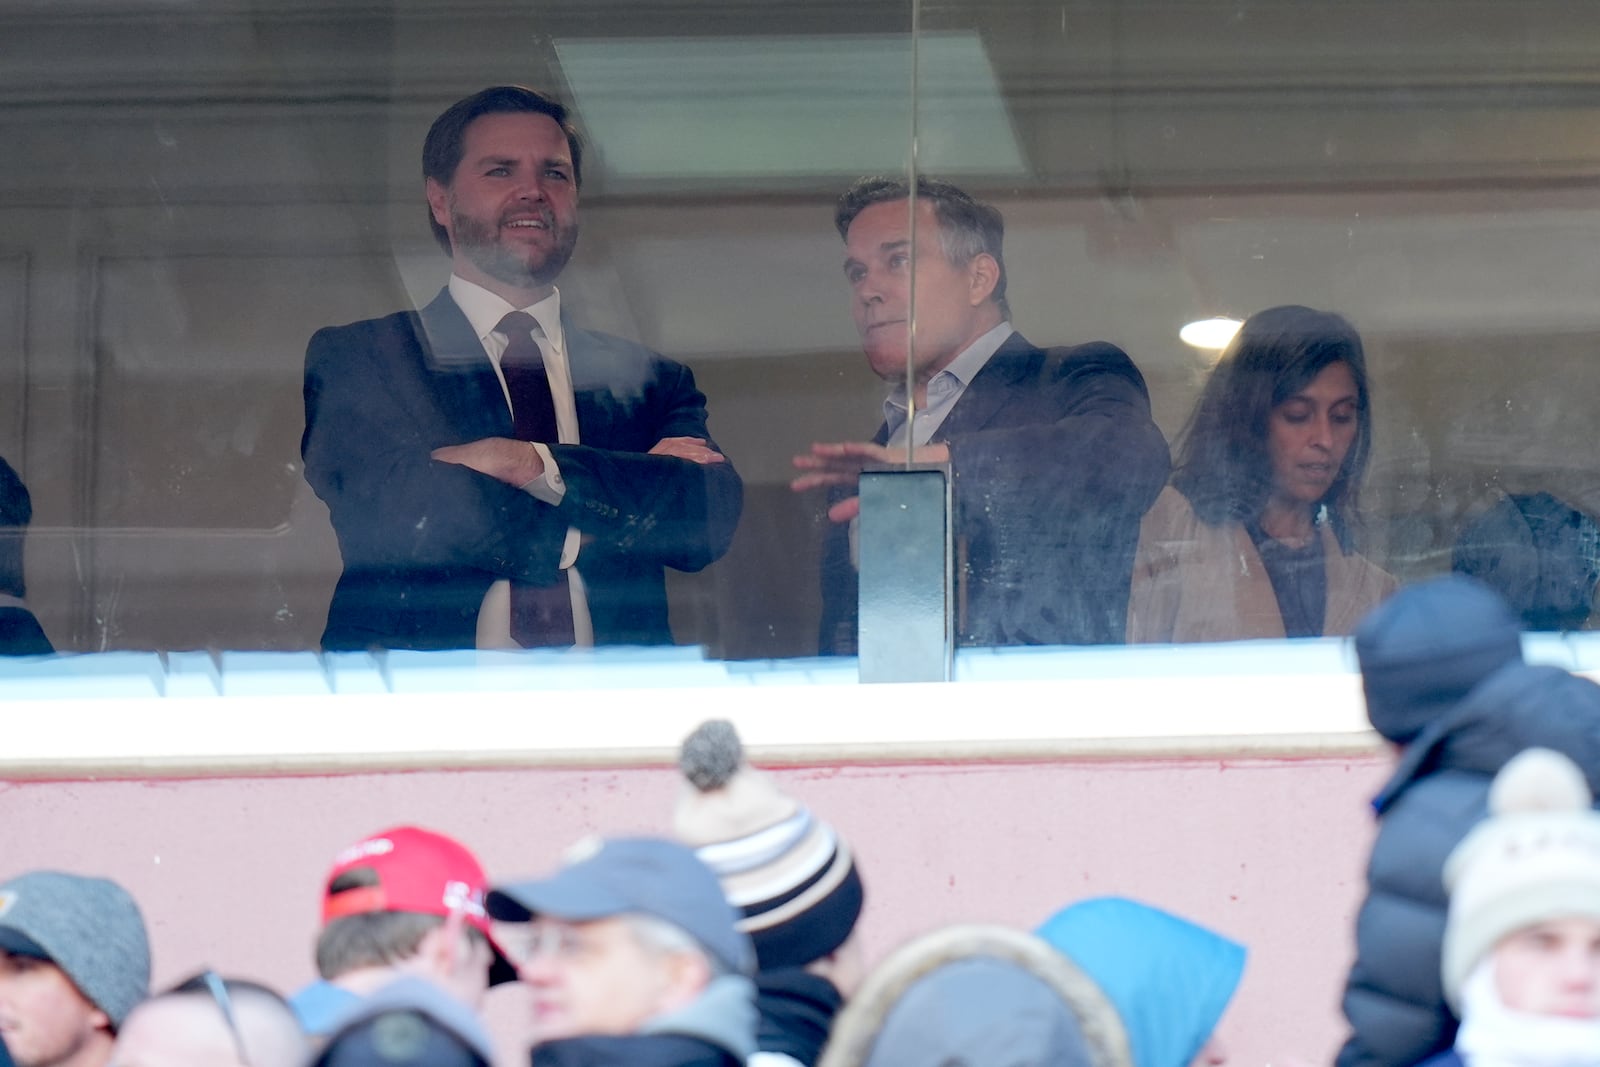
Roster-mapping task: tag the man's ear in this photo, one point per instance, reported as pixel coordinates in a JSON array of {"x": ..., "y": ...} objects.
[
  {"x": 438, "y": 201},
  {"x": 983, "y": 274},
  {"x": 686, "y": 975},
  {"x": 440, "y": 950}
]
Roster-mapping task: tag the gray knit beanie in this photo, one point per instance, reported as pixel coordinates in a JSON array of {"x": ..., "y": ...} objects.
[{"x": 89, "y": 927}]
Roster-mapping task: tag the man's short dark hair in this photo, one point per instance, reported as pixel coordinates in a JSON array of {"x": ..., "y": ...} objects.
[
  {"x": 374, "y": 938},
  {"x": 16, "y": 511},
  {"x": 967, "y": 227},
  {"x": 441, "y": 150}
]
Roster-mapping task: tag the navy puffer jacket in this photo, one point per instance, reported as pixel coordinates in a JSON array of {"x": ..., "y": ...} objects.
[{"x": 1394, "y": 999}]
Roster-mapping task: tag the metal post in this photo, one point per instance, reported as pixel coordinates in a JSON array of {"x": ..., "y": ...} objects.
[{"x": 906, "y": 596}]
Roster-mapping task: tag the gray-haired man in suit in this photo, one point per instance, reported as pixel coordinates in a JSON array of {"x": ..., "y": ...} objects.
[{"x": 1053, "y": 453}]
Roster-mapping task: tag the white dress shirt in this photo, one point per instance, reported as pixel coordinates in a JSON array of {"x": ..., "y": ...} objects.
[
  {"x": 944, "y": 389},
  {"x": 484, "y": 310}
]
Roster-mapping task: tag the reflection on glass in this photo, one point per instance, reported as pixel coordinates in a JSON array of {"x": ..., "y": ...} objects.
[
  {"x": 1256, "y": 537},
  {"x": 804, "y": 106},
  {"x": 1540, "y": 553},
  {"x": 239, "y": 178}
]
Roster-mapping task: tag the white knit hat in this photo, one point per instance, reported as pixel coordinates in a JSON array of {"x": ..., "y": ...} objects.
[{"x": 1536, "y": 857}]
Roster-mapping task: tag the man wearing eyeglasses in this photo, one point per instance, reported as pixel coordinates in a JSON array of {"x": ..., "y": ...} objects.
[
  {"x": 633, "y": 958},
  {"x": 210, "y": 1021},
  {"x": 74, "y": 960}
]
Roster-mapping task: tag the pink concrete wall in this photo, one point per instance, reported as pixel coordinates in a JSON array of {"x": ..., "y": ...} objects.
[{"x": 1269, "y": 851}]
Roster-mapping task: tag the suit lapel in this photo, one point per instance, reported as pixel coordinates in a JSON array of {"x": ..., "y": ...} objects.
[
  {"x": 1349, "y": 595},
  {"x": 463, "y": 380},
  {"x": 1255, "y": 602},
  {"x": 991, "y": 388}
]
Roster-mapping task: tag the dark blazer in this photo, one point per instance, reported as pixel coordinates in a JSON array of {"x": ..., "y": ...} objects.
[
  {"x": 422, "y": 540},
  {"x": 21, "y": 634},
  {"x": 1054, "y": 458}
]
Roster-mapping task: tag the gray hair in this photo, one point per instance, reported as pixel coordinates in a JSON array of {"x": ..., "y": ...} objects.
[
  {"x": 967, "y": 227},
  {"x": 660, "y": 937}
]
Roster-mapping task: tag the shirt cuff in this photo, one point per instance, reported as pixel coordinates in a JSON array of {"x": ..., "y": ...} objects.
[{"x": 548, "y": 488}]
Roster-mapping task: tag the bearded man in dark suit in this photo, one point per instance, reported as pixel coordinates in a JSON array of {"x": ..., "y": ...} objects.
[
  {"x": 498, "y": 477},
  {"x": 1052, "y": 452}
]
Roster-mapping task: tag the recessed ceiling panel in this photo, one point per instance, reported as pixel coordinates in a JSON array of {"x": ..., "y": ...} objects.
[{"x": 788, "y": 107}]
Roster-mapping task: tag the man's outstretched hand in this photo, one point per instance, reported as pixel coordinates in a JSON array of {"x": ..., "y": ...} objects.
[{"x": 841, "y": 463}]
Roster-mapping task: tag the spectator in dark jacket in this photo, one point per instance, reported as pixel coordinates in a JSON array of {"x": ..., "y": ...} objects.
[
  {"x": 1442, "y": 669},
  {"x": 794, "y": 881}
]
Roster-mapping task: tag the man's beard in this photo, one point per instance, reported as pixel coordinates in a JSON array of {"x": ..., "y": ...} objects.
[{"x": 481, "y": 244}]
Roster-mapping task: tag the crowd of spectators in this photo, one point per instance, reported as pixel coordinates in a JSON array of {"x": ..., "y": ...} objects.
[{"x": 734, "y": 940}]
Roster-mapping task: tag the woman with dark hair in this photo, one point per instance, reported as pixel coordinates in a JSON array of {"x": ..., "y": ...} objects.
[{"x": 1254, "y": 537}]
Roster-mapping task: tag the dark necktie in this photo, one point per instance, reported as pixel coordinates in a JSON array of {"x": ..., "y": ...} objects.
[{"x": 541, "y": 615}]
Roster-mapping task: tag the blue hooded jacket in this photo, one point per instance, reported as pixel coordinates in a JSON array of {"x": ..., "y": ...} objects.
[{"x": 1169, "y": 979}]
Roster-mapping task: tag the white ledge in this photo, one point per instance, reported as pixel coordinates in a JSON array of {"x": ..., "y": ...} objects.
[{"x": 144, "y": 715}]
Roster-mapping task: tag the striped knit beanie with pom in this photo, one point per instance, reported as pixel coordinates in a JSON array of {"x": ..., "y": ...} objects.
[{"x": 788, "y": 873}]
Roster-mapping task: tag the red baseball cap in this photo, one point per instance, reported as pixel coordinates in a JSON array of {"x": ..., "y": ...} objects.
[{"x": 418, "y": 871}]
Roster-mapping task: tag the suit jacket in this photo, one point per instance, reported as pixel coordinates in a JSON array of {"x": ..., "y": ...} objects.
[
  {"x": 1197, "y": 582},
  {"x": 20, "y": 632},
  {"x": 1053, "y": 459},
  {"x": 422, "y": 541}
]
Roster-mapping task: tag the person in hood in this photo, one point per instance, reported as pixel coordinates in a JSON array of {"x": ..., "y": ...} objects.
[
  {"x": 1168, "y": 979},
  {"x": 977, "y": 995},
  {"x": 1441, "y": 664},
  {"x": 794, "y": 881},
  {"x": 633, "y": 957},
  {"x": 1521, "y": 962},
  {"x": 411, "y": 1022}
]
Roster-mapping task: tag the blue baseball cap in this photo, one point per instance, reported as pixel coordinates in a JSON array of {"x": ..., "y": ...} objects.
[{"x": 604, "y": 878}]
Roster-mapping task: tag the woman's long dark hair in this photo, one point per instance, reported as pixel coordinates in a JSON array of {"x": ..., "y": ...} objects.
[{"x": 1222, "y": 465}]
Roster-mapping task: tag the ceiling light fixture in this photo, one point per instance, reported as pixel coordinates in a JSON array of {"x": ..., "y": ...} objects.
[{"x": 1210, "y": 333}]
